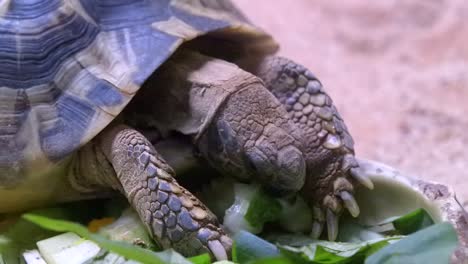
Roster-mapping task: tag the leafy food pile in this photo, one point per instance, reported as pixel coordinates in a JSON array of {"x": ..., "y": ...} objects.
[{"x": 40, "y": 237}]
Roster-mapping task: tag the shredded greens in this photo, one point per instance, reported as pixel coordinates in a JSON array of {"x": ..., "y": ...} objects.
[
  {"x": 262, "y": 209},
  {"x": 411, "y": 238}
]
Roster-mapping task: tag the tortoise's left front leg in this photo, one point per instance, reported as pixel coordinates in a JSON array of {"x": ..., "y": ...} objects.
[
  {"x": 123, "y": 159},
  {"x": 332, "y": 170}
]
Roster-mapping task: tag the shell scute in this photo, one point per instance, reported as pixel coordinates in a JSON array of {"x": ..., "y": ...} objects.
[
  {"x": 69, "y": 67},
  {"x": 60, "y": 136}
]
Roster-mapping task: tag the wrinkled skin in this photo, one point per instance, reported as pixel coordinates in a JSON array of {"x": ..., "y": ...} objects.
[{"x": 271, "y": 123}]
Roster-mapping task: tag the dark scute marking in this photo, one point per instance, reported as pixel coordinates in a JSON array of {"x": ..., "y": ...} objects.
[
  {"x": 29, "y": 58},
  {"x": 32, "y": 55},
  {"x": 64, "y": 136},
  {"x": 45, "y": 94},
  {"x": 157, "y": 46},
  {"x": 104, "y": 94},
  {"x": 117, "y": 14},
  {"x": 29, "y": 9},
  {"x": 201, "y": 23}
]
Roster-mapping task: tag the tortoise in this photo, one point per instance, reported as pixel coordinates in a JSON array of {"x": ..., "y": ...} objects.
[{"x": 88, "y": 87}]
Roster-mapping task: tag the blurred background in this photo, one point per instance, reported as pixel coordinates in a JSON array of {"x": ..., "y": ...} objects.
[{"x": 396, "y": 69}]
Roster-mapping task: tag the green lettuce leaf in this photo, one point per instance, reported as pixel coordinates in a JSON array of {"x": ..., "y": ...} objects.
[
  {"x": 434, "y": 244},
  {"x": 406, "y": 224},
  {"x": 201, "y": 259},
  {"x": 262, "y": 209},
  {"x": 127, "y": 250},
  {"x": 327, "y": 252},
  {"x": 412, "y": 222}
]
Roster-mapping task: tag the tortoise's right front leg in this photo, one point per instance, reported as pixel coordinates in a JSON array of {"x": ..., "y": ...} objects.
[
  {"x": 332, "y": 171},
  {"x": 175, "y": 218}
]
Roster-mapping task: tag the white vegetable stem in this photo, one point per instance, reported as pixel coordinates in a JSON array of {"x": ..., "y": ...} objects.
[
  {"x": 234, "y": 219},
  {"x": 67, "y": 248},
  {"x": 33, "y": 257}
]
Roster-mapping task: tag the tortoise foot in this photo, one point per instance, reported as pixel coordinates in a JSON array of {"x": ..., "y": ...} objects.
[{"x": 332, "y": 205}]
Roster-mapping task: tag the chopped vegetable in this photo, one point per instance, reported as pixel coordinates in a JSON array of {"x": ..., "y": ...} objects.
[
  {"x": 249, "y": 247},
  {"x": 23, "y": 235},
  {"x": 67, "y": 248},
  {"x": 33, "y": 257},
  {"x": 406, "y": 224},
  {"x": 234, "y": 218},
  {"x": 96, "y": 224},
  {"x": 412, "y": 222},
  {"x": 129, "y": 228},
  {"x": 350, "y": 231},
  {"x": 127, "y": 250},
  {"x": 333, "y": 252},
  {"x": 201, "y": 259},
  {"x": 251, "y": 209},
  {"x": 434, "y": 244},
  {"x": 170, "y": 256},
  {"x": 262, "y": 209},
  {"x": 111, "y": 258}
]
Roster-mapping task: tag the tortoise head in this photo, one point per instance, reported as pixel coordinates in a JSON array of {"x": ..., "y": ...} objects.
[{"x": 251, "y": 138}]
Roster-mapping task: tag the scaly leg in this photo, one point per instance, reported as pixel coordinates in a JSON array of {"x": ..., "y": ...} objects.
[
  {"x": 124, "y": 159},
  {"x": 329, "y": 151}
]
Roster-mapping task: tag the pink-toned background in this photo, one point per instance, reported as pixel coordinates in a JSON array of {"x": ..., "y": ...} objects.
[{"x": 396, "y": 69}]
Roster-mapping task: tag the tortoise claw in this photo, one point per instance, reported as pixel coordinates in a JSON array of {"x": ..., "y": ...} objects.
[
  {"x": 218, "y": 250},
  {"x": 361, "y": 178},
  {"x": 350, "y": 203},
  {"x": 317, "y": 228},
  {"x": 342, "y": 184},
  {"x": 318, "y": 222},
  {"x": 332, "y": 225},
  {"x": 334, "y": 203},
  {"x": 318, "y": 214}
]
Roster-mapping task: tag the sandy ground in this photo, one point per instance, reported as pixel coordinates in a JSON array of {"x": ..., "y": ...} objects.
[{"x": 397, "y": 70}]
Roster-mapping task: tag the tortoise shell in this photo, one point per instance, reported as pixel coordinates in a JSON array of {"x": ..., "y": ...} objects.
[{"x": 69, "y": 67}]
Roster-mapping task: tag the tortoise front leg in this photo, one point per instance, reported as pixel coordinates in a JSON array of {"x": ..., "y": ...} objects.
[
  {"x": 175, "y": 218},
  {"x": 332, "y": 170}
]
